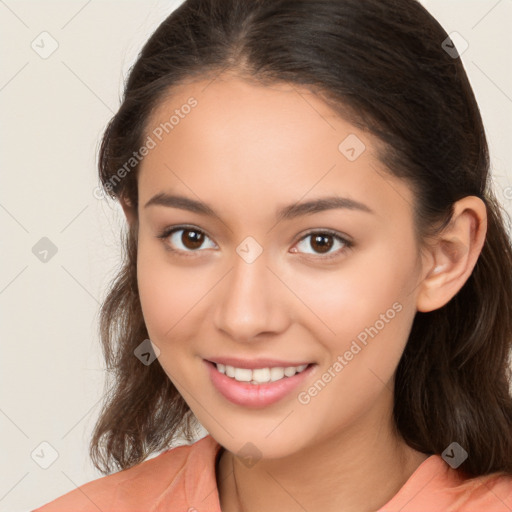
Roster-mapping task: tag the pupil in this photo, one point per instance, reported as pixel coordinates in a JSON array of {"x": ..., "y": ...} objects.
[
  {"x": 320, "y": 240},
  {"x": 192, "y": 239}
]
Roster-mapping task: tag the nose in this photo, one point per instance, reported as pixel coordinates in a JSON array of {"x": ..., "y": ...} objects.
[{"x": 251, "y": 302}]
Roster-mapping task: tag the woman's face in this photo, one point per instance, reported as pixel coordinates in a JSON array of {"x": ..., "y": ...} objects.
[{"x": 264, "y": 282}]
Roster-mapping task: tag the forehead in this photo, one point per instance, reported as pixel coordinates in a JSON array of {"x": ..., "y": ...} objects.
[
  {"x": 263, "y": 120},
  {"x": 252, "y": 143}
]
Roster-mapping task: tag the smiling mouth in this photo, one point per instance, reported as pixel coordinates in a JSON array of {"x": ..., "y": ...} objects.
[{"x": 260, "y": 375}]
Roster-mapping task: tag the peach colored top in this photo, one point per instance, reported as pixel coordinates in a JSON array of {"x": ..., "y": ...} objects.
[{"x": 182, "y": 479}]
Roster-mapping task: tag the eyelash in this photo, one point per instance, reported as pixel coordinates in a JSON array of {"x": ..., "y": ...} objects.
[{"x": 190, "y": 253}]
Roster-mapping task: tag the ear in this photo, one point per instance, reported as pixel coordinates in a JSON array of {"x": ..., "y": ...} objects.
[
  {"x": 129, "y": 210},
  {"x": 451, "y": 257}
]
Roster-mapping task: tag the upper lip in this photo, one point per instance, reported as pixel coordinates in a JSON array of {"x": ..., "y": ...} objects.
[{"x": 255, "y": 363}]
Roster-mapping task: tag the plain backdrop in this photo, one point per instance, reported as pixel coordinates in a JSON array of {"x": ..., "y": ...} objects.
[{"x": 60, "y": 244}]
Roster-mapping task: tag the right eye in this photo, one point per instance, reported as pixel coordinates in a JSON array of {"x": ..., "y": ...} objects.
[{"x": 184, "y": 239}]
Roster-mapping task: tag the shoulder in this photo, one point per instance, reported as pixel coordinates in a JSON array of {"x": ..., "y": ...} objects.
[
  {"x": 179, "y": 474},
  {"x": 437, "y": 487}
]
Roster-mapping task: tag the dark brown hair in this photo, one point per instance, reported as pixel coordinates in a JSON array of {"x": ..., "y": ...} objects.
[{"x": 381, "y": 65}]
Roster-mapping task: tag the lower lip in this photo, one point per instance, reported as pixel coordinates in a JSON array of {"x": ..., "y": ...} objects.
[{"x": 255, "y": 395}]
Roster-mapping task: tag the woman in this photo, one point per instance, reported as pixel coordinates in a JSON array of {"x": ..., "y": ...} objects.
[{"x": 316, "y": 255}]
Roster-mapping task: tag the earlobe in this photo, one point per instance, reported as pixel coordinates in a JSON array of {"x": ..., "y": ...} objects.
[{"x": 454, "y": 254}]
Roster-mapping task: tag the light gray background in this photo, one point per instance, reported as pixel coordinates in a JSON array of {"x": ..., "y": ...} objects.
[{"x": 54, "y": 110}]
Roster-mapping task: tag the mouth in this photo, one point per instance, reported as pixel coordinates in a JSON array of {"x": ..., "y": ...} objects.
[{"x": 259, "y": 386}]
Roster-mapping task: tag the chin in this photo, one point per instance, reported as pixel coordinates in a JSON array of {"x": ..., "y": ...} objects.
[{"x": 255, "y": 443}]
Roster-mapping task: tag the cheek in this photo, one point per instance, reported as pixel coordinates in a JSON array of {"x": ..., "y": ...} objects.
[{"x": 365, "y": 290}]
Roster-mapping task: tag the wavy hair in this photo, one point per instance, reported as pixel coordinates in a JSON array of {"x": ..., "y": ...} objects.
[{"x": 382, "y": 65}]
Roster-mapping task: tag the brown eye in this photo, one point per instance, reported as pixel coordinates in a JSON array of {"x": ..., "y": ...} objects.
[
  {"x": 186, "y": 239},
  {"x": 192, "y": 239},
  {"x": 321, "y": 243}
]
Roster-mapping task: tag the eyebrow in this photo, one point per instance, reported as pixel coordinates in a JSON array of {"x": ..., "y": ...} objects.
[{"x": 285, "y": 213}]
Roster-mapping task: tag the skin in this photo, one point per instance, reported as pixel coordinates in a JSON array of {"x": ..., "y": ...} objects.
[{"x": 247, "y": 150}]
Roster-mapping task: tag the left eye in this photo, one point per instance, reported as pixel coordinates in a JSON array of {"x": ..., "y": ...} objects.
[{"x": 322, "y": 242}]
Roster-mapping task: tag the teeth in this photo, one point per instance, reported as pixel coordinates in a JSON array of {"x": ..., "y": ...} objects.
[
  {"x": 243, "y": 374},
  {"x": 290, "y": 371},
  {"x": 276, "y": 374},
  {"x": 259, "y": 375}
]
